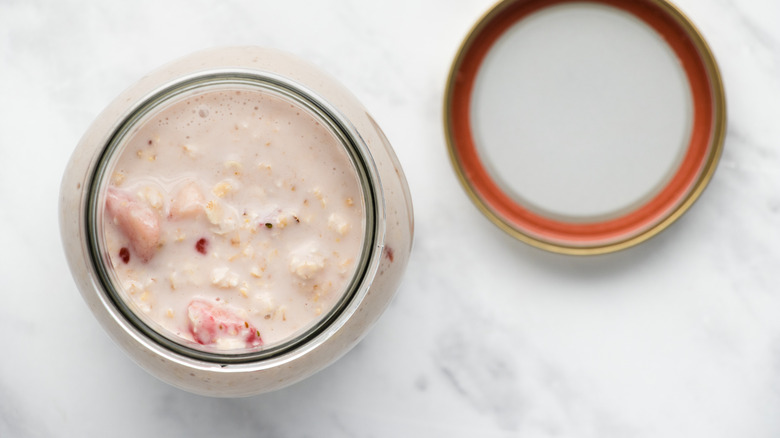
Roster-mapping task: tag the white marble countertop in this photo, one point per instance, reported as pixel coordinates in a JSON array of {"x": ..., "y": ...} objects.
[{"x": 678, "y": 337}]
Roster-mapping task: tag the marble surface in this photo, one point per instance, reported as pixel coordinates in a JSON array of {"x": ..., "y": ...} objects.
[{"x": 678, "y": 337}]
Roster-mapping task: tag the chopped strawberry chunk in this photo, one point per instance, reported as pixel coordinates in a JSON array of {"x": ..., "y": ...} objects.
[
  {"x": 211, "y": 323},
  {"x": 137, "y": 221}
]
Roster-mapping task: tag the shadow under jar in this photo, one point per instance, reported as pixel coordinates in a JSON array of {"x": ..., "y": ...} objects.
[{"x": 236, "y": 221}]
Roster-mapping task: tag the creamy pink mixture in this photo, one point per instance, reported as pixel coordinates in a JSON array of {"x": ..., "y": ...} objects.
[{"x": 234, "y": 219}]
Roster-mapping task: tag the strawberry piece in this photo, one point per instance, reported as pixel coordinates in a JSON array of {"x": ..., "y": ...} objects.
[
  {"x": 137, "y": 221},
  {"x": 210, "y": 323}
]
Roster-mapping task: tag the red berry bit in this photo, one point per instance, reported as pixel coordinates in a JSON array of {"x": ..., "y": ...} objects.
[
  {"x": 389, "y": 253},
  {"x": 124, "y": 254},
  {"x": 202, "y": 245}
]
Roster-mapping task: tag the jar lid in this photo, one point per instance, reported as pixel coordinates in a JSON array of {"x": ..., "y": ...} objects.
[{"x": 584, "y": 127}]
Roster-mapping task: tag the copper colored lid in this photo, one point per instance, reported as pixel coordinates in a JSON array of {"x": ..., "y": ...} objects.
[{"x": 700, "y": 148}]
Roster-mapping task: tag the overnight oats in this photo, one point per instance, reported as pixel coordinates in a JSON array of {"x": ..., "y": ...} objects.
[{"x": 236, "y": 221}]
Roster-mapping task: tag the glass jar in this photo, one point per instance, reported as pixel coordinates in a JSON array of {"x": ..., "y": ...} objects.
[{"x": 385, "y": 234}]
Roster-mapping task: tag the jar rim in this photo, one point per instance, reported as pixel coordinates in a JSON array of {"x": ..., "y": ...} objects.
[{"x": 356, "y": 150}]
